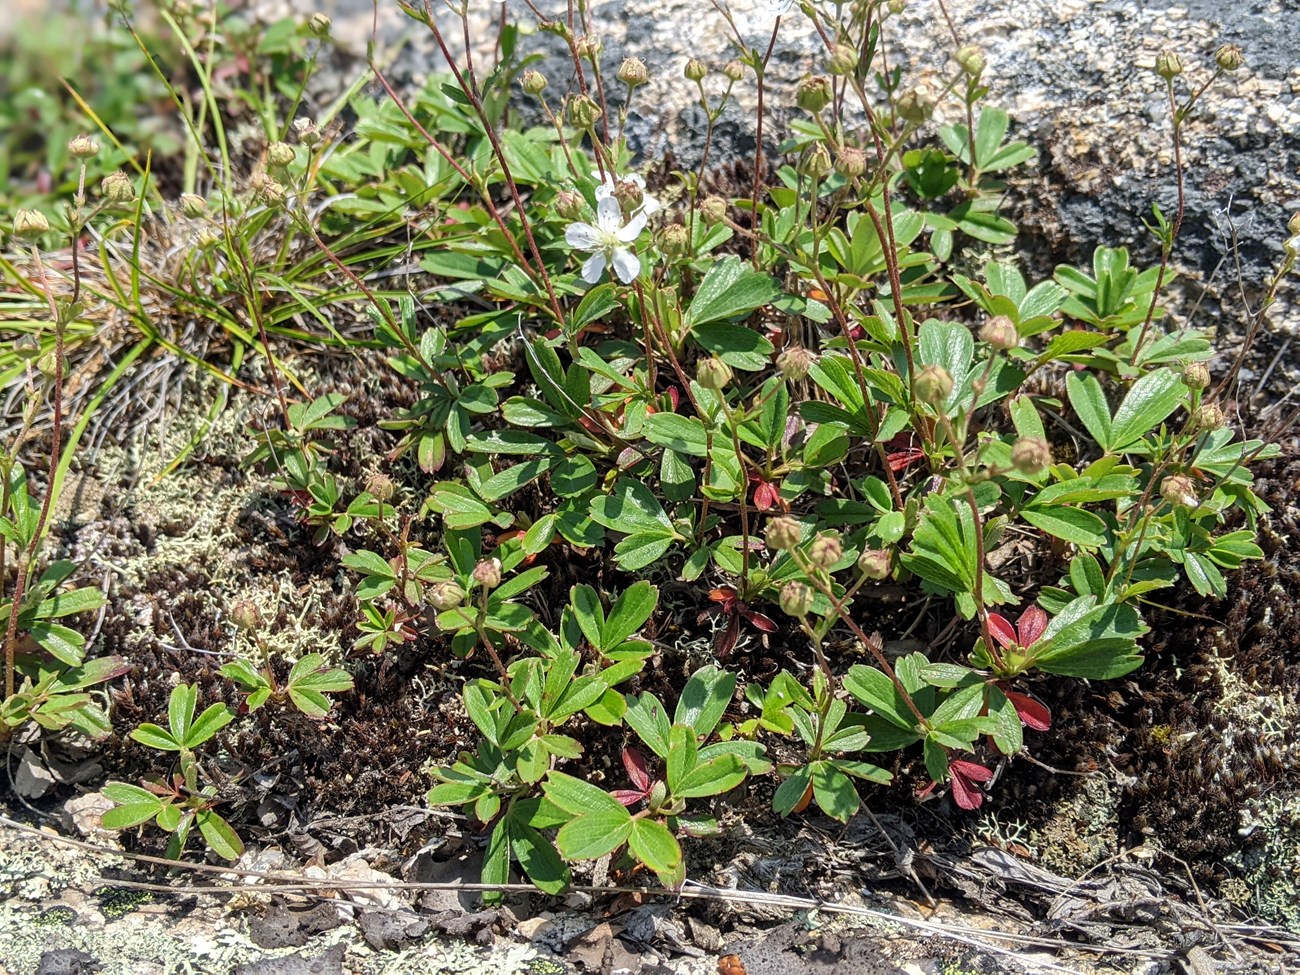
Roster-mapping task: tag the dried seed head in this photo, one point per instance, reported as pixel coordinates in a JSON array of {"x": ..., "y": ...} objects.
[
  {"x": 674, "y": 240},
  {"x": 1229, "y": 57},
  {"x": 850, "y": 162},
  {"x": 192, "y": 206},
  {"x": 568, "y": 205},
  {"x": 583, "y": 112},
  {"x": 268, "y": 190},
  {"x": 245, "y": 615},
  {"x": 1179, "y": 490},
  {"x": 488, "y": 573},
  {"x": 117, "y": 188},
  {"x": 533, "y": 82},
  {"x": 796, "y": 599},
  {"x": 632, "y": 72},
  {"x": 734, "y": 70},
  {"x": 320, "y": 24},
  {"x": 1030, "y": 455},
  {"x": 842, "y": 60},
  {"x": 1168, "y": 65},
  {"x": 876, "y": 563},
  {"x": 817, "y": 163},
  {"x": 30, "y": 224},
  {"x": 445, "y": 595},
  {"x": 813, "y": 94},
  {"x": 713, "y": 209},
  {"x": 795, "y": 362},
  {"x": 1000, "y": 332},
  {"x": 915, "y": 106},
  {"x": 695, "y": 70},
  {"x": 783, "y": 534},
  {"x": 825, "y": 551},
  {"x": 307, "y": 132},
  {"x": 932, "y": 385},
  {"x": 83, "y": 147},
  {"x": 279, "y": 154},
  {"x": 380, "y": 487},
  {"x": 1196, "y": 375},
  {"x": 1207, "y": 417},
  {"x": 713, "y": 374}
]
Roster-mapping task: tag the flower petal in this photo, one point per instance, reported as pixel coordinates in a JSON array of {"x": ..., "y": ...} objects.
[
  {"x": 649, "y": 205},
  {"x": 633, "y": 229},
  {"x": 1031, "y": 625},
  {"x": 609, "y": 215},
  {"x": 593, "y": 268},
  {"x": 1002, "y": 630},
  {"x": 626, "y": 265},
  {"x": 582, "y": 236},
  {"x": 607, "y": 187}
]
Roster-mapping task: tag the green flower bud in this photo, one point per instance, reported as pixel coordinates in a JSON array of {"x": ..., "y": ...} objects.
[
  {"x": 713, "y": 209},
  {"x": 1196, "y": 375},
  {"x": 796, "y": 599},
  {"x": 850, "y": 162},
  {"x": 825, "y": 551},
  {"x": 817, "y": 163},
  {"x": 1207, "y": 417},
  {"x": 30, "y": 224},
  {"x": 876, "y": 563},
  {"x": 813, "y": 94},
  {"x": 795, "y": 362},
  {"x": 193, "y": 207},
  {"x": 445, "y": 595},
  {"x": 583, "y": 112},
  {"x": 488, "y": 573},
  {"x": 971, "y": 60},
  {"x": 568, "y": 205},
  {"x": 695, "y": 70},
  {"x": 589, "y": 47},
  {"x": 117, "y": 188},
  {"x": 1229, "y": 57},
  {"x": 843, "y": 59},
  {"x": 1030, "y": 455},
  {"x": 1168, "y": 65},
  {"x": 279, "y": 154},
  {"x": 533, "y": 82},
  {"x": 932, "y": 385},
  {"x": 897, "y": 6},
  {"x": 48, "y": 365},
  {"x": 783, "y": 534},
  {"x": 83, "y": 147},
  {"x": 734, "y": 70},
  {"x": 674, "y": 240},
  {"x": 320, "y": 24},
  {"x": 632, "y": 72},
  {"x": 1293, "y": 225},
  {"x": 915, "y": 106},
  {"x": 1000, "y": 332},
  {"x": 713, "y": 374},
  {"x": 266, "y": 189}
]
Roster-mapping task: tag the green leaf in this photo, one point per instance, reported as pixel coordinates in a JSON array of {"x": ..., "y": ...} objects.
[
  {"x": 629, "y": 613},
  {"x": 834, "y": 792},
  {"x": 631, "y": 508},
  {"x": 711, "y": 778},
  {"x": 730, "y": 290},
  {"x": 1149, "y": 401},
  {"x": 180, "y": 710},
  {"x": 1089, "y": 402},
  {"x": 874, "y": 689},
  {"x": 704, "y": 699},
  {"x": 589, "y": 613},
  {"x": 538, "y": 857},
  {"x": 1071, "y": 524},
  {"x": 647, "y": 717},
  {"x": 651, "y": 842},
  {"x": 212, "y": 720},
  {"x": 684, "y": 434},
  {"x": 134, "y": 805},
  {"x": 580, "y": 798},
  {"x": 592, "y": 836},
  {"x": 152, "y": 736},
  {"x": 221, "y": 838},
  {"x": 792, "y": 790}
]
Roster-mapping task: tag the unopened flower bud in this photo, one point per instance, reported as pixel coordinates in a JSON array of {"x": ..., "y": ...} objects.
[
  {"x": 629, "y": 195},
  {"x": 279, "y": 154},
  {"x": 713, "y": 209},
  {"x": 1030, "y": 455},
  {"x": 27, "y": 347},
  {"x": 30, "y": 224},
  {"x": 713, "y": 373},
  {"x": 850, "y": 162},
  {"x": 695, "y": 70},
  {"x": 266, "y": 189},
  {"x": 897, "y": 6},
  {"x": 843, "y": 59},
  {"x": 915, "y": 106},
  {"x": 734, "y": 70},
  {"x": 817, "y": 163},
  {"x": 825, "y": 551},
  {"x": 674, "y": 240},
  {"x": 445, "y": 595},
  {"x": 796, "y": 599},
  {"x": 1207, "y": 417},
  {"x": 971, "y": 60},
  {"x": 813, "y": 94},
  {"x": 876, "y": 563},
  {"x": 48, "y": 365},
  {"x": 932, "y": 385},
  {"x": 783, "y": 534},
  {"x": 83, "y": 147},
  {"x": 583, "y": 112},
  {"x": 795, "y": 362},
  {"x": 589, "y": 47},
  {"x": 245, "y": 615},
  {"x": 533, "y": 82},
  {"x": 380, "y": 487},
  {"x": 1179, "y": 490},
  {"x": 193, "y": 206},
  {"x": 568, "y": 205},
  {"x": 117, "y": 188},
  {"x": 320, "y": 24},
  {"x": 1000, "y": 332},
  {"x": 1196, "y": 375},
  {"x": 1168, "y": 65},
  {"x": 1229, "y": 57},
  {"x": 632, "y": 72},
  {"x": 1293, "y": 225},
  {"x": 488, "y": 573},
  {"x": 307, "y": 132}
]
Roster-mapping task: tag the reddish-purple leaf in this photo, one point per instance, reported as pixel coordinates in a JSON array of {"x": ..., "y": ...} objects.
[
  {"x": 634, "y": 762},
  {"x": 760, "y": 621},
  {"x": 965, "y": 778},
  {"x": 1002, "y": 630},
  {"x": 765, "y": 496},
  {"x": 724, "y": 641},
  {"x": 627, "y": 796},
  {"x": 1031, "y": 625},
  {"x": 1033, "y": 713}
]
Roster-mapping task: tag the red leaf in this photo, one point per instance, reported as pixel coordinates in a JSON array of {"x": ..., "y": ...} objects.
[
  {"x": 765, "y": 496},
  {"x": 965, "y": 778},
  {"x": 760, "y": 621},
  {"x": 627, "y": 797},
  {"x": 1031, "y": 625},
  {"x": 972, "y": 770},
  {"x": 723, "y": 594},
  {"x": 634, "y": 762},
  {"x": 1002, "y": 631},
  {"x": 724, "y": 641},
  {"x": 1033, "y": 713},
  {"x": 901, "y": 459}
]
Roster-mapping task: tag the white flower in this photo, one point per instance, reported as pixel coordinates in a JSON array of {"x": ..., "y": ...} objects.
[
  {"x": 608, "y": 242},
  {"x": 649, "y": 205}
]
